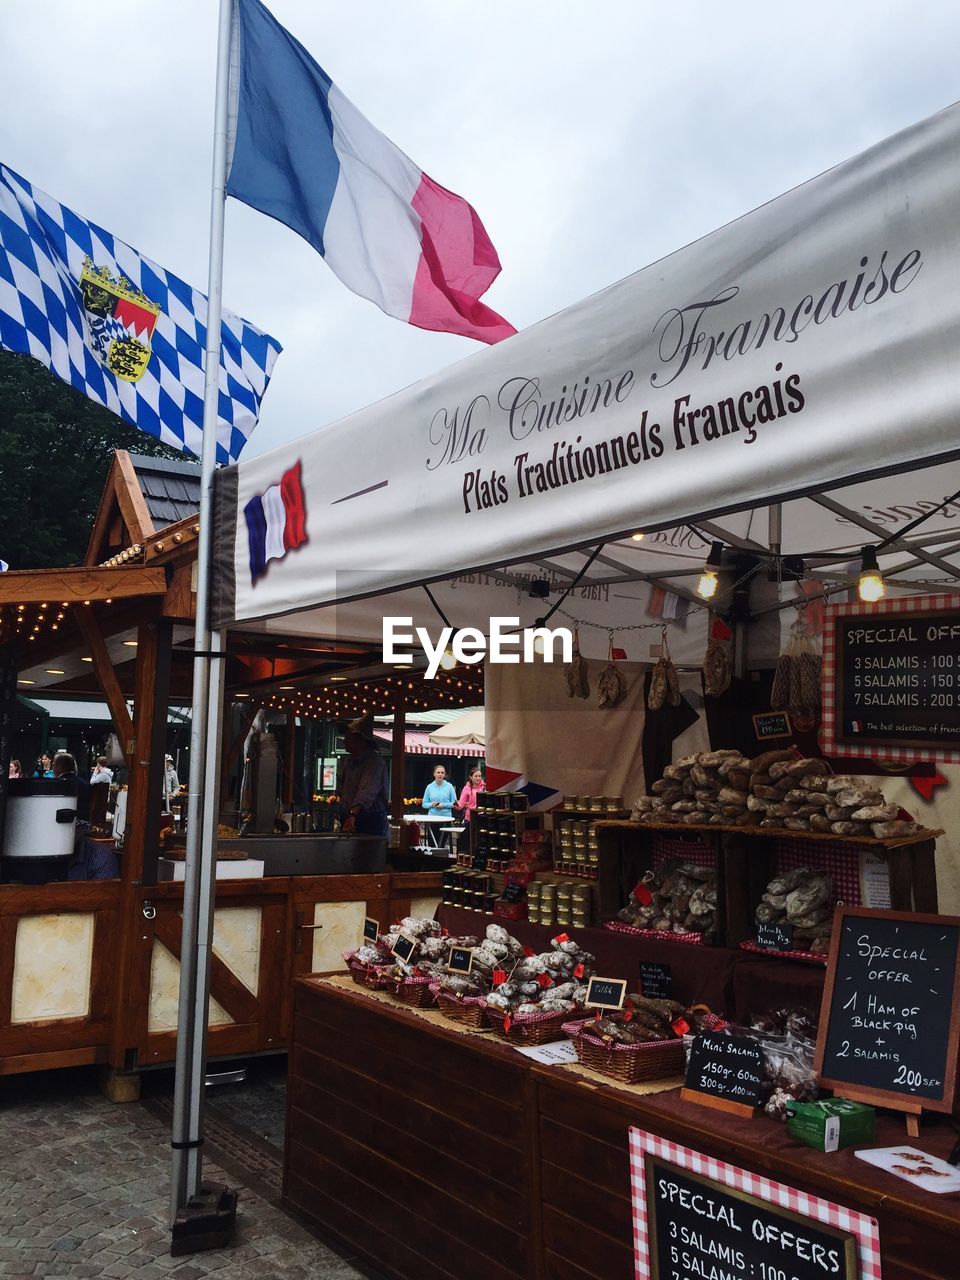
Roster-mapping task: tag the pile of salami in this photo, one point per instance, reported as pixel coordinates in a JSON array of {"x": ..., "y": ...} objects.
[{"x": 773, "y": 790}]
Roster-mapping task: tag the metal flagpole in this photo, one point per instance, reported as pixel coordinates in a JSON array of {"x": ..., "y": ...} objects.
[{"x": 198, "y": 889}]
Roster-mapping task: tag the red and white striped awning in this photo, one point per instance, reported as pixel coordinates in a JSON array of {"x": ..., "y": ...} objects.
[{"x": 417, "y": 743}]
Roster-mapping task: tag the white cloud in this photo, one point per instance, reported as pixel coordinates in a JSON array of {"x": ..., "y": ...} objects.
[{"x": 591, "y": 138}]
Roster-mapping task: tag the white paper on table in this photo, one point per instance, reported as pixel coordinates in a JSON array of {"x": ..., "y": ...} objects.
[
  {"x": 943, "y": 1179},
  {"x": 553, "y": 1054}
]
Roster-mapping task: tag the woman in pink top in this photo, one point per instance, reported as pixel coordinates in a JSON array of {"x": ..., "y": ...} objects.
[{"x": 471, "y": 789}]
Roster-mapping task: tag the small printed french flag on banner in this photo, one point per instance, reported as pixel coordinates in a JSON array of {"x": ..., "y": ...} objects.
[
  {"x": 856, "y": 726},
  {"x": 276, "y": 522}
]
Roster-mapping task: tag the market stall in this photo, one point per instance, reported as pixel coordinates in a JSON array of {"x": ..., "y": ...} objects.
[{"x": 683, "y": 469}]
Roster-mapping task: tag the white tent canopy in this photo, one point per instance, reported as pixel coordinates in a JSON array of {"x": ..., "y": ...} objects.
[
  {"x": 787, "y": 386},
  {"x": 464, "y": 730}
]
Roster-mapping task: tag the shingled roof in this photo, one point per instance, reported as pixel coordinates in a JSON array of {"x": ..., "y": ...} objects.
[{"x": 171, "y": 488}]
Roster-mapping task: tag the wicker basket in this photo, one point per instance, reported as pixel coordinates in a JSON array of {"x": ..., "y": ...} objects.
[
  {"x": 526, "y": 1028},
  {"x": 628, "y": 1063},
  {"x": 416, "y": 992},
  {"x": 467, "y": 1010},
  {"x": 364, "y": 975}
]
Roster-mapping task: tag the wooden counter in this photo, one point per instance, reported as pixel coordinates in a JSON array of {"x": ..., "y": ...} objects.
[
  {"x": 410, "y": 1143},
  {"x": 440, "y": 1155}
]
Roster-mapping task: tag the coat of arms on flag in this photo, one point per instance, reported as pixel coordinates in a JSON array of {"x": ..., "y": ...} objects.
[
  {"x": 121, "y": 320},
  {"x": 276, "y": 522}
]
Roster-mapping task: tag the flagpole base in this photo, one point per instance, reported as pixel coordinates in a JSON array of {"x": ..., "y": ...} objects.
[{"x": 207, "y": 1222}]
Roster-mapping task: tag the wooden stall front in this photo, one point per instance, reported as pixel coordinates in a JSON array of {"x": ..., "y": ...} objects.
[{"x": 436, "y": 1153}]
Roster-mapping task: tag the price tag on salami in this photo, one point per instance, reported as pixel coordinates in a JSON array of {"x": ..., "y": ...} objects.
[
  {"x": 371, "y": 929},
  {"x": 460, "y": 960},
  {"x": 404, "y": 947},
  {"x": 606, "y": 993}
]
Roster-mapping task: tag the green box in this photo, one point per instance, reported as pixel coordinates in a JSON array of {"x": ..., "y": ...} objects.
[{"x": 831, "y": 1124}]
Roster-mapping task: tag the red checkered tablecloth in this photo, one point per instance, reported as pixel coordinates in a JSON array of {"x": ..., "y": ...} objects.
[
  {"x": 666, "y": 848},
  {"x": 840, "y": 861},
  {"x": 643, "y": 1144}
]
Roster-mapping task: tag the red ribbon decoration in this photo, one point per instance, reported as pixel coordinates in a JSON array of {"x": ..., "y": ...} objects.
[
  {"x": 544, "y": 980},
  {"x": 499, "y": 977},
  {"x": 720, "y": 630},
  {"x": 529, "y": 951},
  {"x": 507, "y": 1023},
  {"x": 681, "y": 1026},
  {"x": 579, "y": 971},
  {"x": 628, "y": 1015},
  {"x": 642, "y": 894},
  {"x": 561, "y": 937},
  {"x": 926, "y": 786}
]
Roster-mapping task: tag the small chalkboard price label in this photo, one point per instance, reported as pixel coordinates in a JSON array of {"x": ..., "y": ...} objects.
[
  {"x": 772, "y": 724},
  {"x": 777, "y": 936},
  {"x": 404, "y": 947},
  {"x": 606, "y": 993},
  {"x": 460, "y": 960},
  {"x": 513, "y": 891},
  {"x": 889, "y": 1022},
  {"x": 720, "y": 1230},
  {"x": 656, "y": 980},
  {"x": 729, "y": 1068},
  {"x": 371, "y": 929}
]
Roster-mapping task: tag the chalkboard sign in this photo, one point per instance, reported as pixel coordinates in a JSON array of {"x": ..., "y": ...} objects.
[
  {"x": 897, "y": 675},
  {"x": 606, "y": 993},
  {"x": 656, "y": 980},
  {"x": 513, "y": 891},
  {"x": 371, "y": 929},
  {"x": 777, "y": 936},
  {"x": 404, "y": 947},
  {"x": 460, "y": 960},
  {"x": 727, "y": 1067},
  {"x": 889, "y": 1023},
  {"x": 701, "y": 1227},
  {"x": 772, "y": 724}
]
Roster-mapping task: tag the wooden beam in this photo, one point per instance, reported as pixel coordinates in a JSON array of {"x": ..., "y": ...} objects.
[
  {"x": 133, "y": 505},
  {"x": 103, "y": 524},
  {"x": 34, "y": 586},
  {"x": 107, "y": 677},
  {"x": 173, "y": 541},
  {"x": 397, "y": 770}
]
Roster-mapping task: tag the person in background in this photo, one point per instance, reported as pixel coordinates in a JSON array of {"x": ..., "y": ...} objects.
[
  {"x": 65, "y": 767},
  {"x": 14, "y": 770},
  {"x": 44, "y": 767},
  {"x": 471, "y": 789},
  {"x": 100, "y": 773},
  {"x": 440, "y": 795},
  {"x": 364, "y": 793},
  {"x": 171, "y": 783},
  {"x": 100, "y": 779}
]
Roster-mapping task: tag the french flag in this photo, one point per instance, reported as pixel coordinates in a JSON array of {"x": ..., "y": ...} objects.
[
  {"x": 300, "y": 152},
  {"x": 276, "y": 522}
]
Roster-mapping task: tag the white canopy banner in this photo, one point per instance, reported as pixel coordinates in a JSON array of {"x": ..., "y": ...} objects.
[{"x": 810, "y": 343}]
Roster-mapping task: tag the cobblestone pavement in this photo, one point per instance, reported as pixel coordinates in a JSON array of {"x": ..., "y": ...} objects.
[{"x": 84, "y": 1185}]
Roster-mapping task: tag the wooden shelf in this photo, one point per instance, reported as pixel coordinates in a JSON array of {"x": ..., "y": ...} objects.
[{"x": 898, "y": 842}]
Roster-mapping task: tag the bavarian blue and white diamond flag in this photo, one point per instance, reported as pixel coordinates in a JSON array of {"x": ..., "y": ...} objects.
[{"x": 122, "y": 330}]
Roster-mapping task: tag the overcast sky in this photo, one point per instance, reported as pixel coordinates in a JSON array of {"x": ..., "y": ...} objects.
[{"x": 591, "y": 138}]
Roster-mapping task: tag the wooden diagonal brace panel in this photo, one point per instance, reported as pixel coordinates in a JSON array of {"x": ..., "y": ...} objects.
[
  {"x": 225, "y": 987},
  {"x": 107, "y": 677}
]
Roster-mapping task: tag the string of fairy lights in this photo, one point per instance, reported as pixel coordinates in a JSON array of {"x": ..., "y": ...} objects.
[{"x": 380, "y": 696}]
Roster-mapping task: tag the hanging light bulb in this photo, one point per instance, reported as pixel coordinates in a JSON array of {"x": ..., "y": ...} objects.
[
  {"x": 637, "y": 537},
  {"x": 538, "y": 645},
  {"x": 707, "y": 586},
  {"x": 447, "y": 660},
  {"x": 871, "y": 586}
]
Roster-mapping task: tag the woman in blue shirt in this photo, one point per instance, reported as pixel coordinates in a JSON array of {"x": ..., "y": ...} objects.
[{"x": 440, "y": 795}]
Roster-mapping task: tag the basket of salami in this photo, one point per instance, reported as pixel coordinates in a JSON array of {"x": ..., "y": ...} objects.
[
  {"x": 642, "y": 1041},
  {"x": 541, "y": 994}
]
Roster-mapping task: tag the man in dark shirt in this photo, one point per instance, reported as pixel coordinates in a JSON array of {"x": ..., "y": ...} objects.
[{"x": 64, "y": 766}]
